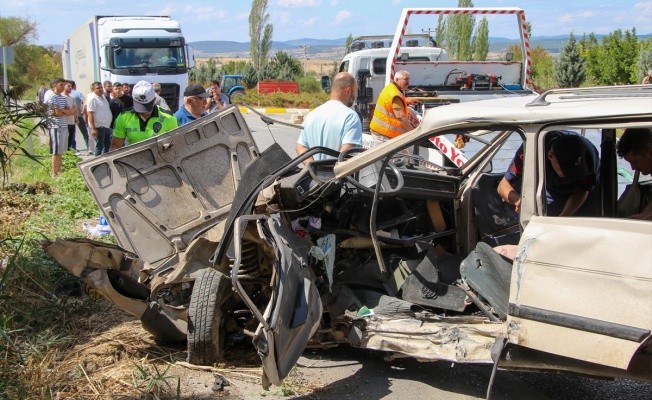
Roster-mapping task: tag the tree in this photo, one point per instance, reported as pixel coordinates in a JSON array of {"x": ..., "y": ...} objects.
[
  {"x": 349, "y": 40},
  {"x": 569, "y": 67},
  {"x": 32, "y": 63},
  {"x": 528, "y": 29},
  {"x": 613, "y": 61},
  {"x": 14, "y": 30},
  {"x": 458, "y": 34},
  {"x": 440, "y": 32},
  {"x": 542, "y": 66},
  {"x": 592, "y": 53},
  {"x": 644, "y": 63},
  {"x": 621, "y": 52},
  {"x": 260, "y": 33},
  {"x": 480, "y": 44},
  {"x": 250, "y": 76},
  {"x": 287, "y": 67},
  {"x": 234, "y": 67}
]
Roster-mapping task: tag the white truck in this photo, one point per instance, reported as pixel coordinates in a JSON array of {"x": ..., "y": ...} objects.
[
  {"x": 435, "y": 80},
  {"x": 128, "y": 49}
]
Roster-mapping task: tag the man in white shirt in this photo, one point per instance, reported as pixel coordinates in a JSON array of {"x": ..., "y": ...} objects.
[
  {"x": 333, "y": 124},
  {"x": 99, "y": 118}
]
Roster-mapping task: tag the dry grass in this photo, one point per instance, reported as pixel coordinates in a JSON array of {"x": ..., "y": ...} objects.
[{"x": 101, "y": 352}]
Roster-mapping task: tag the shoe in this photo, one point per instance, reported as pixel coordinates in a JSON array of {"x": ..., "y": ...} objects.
[{"x": 90, "y": 152}]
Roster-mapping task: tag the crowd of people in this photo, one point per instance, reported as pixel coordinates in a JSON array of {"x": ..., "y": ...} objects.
[{"x": 114, "y": 114}]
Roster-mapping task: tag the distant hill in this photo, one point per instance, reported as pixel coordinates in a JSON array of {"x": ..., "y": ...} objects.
[{"x": 332, "y": 49}]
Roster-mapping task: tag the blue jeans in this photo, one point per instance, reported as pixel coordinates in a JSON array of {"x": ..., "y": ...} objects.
[{"x": 103, "y": 140}]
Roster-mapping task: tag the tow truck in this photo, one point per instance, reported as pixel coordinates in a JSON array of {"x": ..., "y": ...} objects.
[{"x": 436, "y": 80}]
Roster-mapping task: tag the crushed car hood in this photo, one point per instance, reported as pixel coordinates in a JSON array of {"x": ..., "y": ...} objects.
[{"x": 159, "y": 194}]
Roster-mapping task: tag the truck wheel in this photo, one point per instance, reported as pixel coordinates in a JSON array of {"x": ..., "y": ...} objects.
[
  {"x": 205, "y": 323},
  {"x": 237, "y": 96}
]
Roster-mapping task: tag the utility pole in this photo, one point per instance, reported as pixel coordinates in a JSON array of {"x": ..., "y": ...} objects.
[{"x": 305, "y": 56}]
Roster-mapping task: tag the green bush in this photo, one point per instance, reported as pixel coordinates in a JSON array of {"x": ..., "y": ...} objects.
[
  {"x": 308, "y": 84},
  {"x": 286, "y": 100}
]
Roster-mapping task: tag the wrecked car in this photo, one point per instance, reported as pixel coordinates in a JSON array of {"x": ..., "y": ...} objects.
[{"x": 379, "y": 248}]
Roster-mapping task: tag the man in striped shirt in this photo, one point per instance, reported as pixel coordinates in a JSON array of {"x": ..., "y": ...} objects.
[{"x": 58, "y": 109}]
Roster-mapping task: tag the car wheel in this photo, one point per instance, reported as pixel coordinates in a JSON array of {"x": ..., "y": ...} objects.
[
  {"x": 205, "y": 323},
  {"x": 237, "y": 96}
]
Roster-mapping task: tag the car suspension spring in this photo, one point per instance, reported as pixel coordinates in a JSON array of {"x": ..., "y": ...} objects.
[{"x": 249, "y": 267}]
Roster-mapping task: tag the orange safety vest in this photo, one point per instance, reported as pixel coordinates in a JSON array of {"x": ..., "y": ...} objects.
[{"x": 384, "y": 121}]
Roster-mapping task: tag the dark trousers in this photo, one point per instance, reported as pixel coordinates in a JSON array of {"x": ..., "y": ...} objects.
[
  {"x": 81, "y": 123},
  {"x": 72, "y": 143},
  {"x": 103, "y": 140}
]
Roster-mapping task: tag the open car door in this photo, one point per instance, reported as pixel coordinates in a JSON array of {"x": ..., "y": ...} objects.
[
  {"x": 580, "y": 288},
  {"x": 294, "y": 311}
]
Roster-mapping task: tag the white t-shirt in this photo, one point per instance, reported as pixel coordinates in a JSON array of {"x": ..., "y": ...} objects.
[
  {"x": 71, "y": 103},
  {"x": 101, "y": 110}
]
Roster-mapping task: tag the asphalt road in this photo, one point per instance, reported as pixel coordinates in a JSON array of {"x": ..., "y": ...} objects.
[{"x": 349, "y": 373}]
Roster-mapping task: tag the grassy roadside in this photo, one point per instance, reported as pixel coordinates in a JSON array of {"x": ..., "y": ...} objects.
[
  {"x": 55, "y": 341},
  {"x": 41, "y": 307}
]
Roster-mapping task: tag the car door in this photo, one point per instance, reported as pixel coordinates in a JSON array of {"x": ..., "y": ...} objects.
[
  {"x": 294, "y": 311},
  {"x": 581, "y": 287}
]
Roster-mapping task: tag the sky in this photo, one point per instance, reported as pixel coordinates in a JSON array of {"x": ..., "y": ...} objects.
[{"x": 328, "y": 19}]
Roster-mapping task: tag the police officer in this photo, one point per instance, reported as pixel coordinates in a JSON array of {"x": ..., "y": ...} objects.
[{"x": 145, "y": 120}]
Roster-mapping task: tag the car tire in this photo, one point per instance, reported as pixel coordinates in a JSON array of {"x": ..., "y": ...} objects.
[
  {"x": 237, "y": 96},
  {"x": 205, "y": 323}
]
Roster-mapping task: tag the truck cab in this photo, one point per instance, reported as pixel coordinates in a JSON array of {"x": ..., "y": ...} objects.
[
  {"x": 366, "y": 59},
  {"x": 128, "y": 49}
]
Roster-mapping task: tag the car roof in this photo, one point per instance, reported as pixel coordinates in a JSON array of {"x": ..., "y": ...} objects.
[{"x": 560, "y": 105}]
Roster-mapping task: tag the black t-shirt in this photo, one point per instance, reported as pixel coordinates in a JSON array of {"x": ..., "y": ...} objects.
[{"x": 120, "y": 104}]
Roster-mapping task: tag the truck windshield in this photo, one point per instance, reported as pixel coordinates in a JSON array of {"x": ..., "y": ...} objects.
[{"x": 139, "y": 57}]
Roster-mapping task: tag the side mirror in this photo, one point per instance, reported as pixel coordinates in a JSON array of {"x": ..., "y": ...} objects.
[
  {"x": 326, "y": 83},
  {"x": 190, "y": 54}
]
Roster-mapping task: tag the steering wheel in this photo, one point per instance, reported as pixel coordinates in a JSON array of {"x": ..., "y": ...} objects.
[{"x": 400, "y": 182}]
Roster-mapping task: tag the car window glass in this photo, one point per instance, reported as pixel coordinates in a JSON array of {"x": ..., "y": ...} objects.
[{"x": 501, "y": 159}]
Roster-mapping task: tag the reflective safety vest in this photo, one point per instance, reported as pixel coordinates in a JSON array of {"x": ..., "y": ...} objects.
[{"x": 384, "y": 121}]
